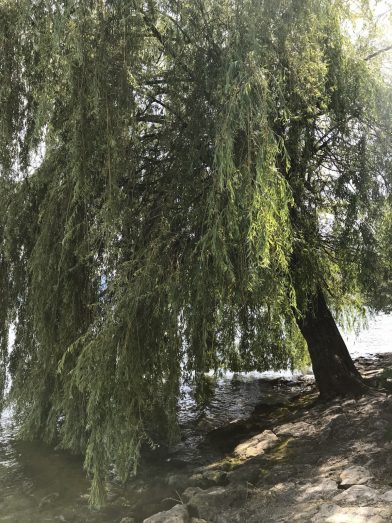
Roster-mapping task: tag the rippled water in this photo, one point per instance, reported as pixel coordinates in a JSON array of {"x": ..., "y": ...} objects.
[
  {"x": 377, "y": 338},
  {"x": 40, "y": 484}
]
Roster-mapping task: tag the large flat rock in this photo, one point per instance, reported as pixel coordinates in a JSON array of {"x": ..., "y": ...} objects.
[
  {"x": 257, "y": 445},
  {"x": 296, "y": 429},
  {"x": 331, "y": 513},
  {"x": 358, "y": 494}
]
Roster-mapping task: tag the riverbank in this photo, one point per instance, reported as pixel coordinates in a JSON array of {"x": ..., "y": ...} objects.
[
  {"x": 302, "y": 462},
  {"x": 261, "y": 450}
]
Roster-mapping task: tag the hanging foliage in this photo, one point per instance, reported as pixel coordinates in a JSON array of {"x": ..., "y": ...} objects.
[{"x": 177, "y": 181}]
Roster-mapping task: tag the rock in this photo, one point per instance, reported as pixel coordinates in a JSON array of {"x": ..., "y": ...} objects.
[
  {"x": 217, "y": 477},
  {"x": 128, "y": 520},
  {"x": 323, "y": 489},
  {"x": 256, "y": 445},
  {"x": 349, "y": 403},
  {"x": 177, "y": 514},
  {"x": 296, "y": 430},
  {"x": 354, "y": 475},
  {"x": 197, "y": 480},
  {"x": 208, "y": 504},
  {"x": 245, "y": 474},
  {"x": 190, "y": 492},
  {"x": 336, "y": 422},
  {"x": 198, "y": 520},
  {"x": 334, "y": 409},
  {"x": 380, "y": 424},
  {"x": 208, "y": 479},
  {"x": 358, "y": 493},
  {"x": 387, "y": 496},
  {"x": 330, "y": 513},
  {"x": 280, "y": 488},
  {"x": 283, "y": 472}
]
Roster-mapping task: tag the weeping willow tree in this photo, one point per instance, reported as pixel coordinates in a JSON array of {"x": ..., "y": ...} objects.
[{"x": 184, "y": 186}]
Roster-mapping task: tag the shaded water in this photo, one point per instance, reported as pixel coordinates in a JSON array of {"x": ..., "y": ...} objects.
[{"x": 40, "y": 484}]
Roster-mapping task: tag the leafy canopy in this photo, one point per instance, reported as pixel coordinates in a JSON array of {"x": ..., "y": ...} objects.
[{"x": 176, "y": 179}]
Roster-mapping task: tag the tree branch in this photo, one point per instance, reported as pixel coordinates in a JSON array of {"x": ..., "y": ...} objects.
[{"x": 380, "y": 51}]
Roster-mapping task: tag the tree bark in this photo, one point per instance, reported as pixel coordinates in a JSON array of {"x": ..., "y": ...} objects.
[{"x": 333, "y": 368}]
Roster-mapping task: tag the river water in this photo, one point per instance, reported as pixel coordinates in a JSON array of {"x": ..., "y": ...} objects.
[{"x": 39, "y": 484}]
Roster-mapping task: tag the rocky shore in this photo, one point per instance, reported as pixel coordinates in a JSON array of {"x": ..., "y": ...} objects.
[{"x": 305, "y": 462}]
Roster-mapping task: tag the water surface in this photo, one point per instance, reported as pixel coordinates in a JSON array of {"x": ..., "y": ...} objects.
[{"x": 40, "y": 484}]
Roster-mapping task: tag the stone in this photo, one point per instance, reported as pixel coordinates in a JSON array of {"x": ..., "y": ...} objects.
[
  {"x": 354, "y": 475},
  {"x": 245, "y": 474},
  {"x": 217, "y": 477},
  {"x": 208, "y": 504},
  {"x": 331, "y": 513},
  {"x": 380, "y": 424},
  {"x": 177, "y": 514},
  {"x": 257, "y": 445},
  {"x": 358, "y": 493},
  {"x": 335, "y": 422},
  {"x": 282, "y": 472},
  {"x": 349, "y": 403},
  {"x": 190, "y": 492},
  {"x": 197, "y": 480},
  {"x": 128, "y": 520},
  {"x": 297, "y": 430},
  {"x": 208, "y": 479},
  {"x": 280, "y": 488},
  {"x": 323, "y": 489},
  {"x": 334, "y": 409},
  {"x": 387, "y": 496}
]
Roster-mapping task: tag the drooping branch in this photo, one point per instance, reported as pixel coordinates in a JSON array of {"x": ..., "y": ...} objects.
[{"x": 378, "y": 52}]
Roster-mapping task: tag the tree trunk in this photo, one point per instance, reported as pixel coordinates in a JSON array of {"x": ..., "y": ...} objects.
[{"x": 333, "y": 368}]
